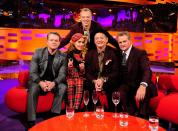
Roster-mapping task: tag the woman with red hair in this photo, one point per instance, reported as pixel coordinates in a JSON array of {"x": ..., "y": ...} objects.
[{"x": 76, "y": 69}]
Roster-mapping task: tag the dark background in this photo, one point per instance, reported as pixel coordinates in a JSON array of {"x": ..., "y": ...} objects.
[{"x": 149, "y": 18}]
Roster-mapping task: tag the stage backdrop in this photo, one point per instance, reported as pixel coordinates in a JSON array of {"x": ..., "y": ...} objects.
[{"x": 16, "y": 44}]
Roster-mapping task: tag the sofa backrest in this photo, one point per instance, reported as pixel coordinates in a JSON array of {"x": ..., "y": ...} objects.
[
  {"x": 23, "y": 78},
  {"x": 154, "y": 78},
  {"x": 168, "y": 82}
]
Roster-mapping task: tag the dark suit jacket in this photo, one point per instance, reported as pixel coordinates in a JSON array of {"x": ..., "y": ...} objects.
[
  {"x": 138, "y": 66},
  {"x": 110, "y": 65},
  {"x": 77, "y": 28},
  {"x": 39, "y": 63}
]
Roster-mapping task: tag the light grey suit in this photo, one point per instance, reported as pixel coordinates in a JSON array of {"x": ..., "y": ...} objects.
[{"x": 38, "y": 67}]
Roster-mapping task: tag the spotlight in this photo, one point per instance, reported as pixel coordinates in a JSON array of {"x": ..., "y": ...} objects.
[
  {"x": 10, "y": 13},
  {"x": 148, "y": 15},
  {"x": 110, "y": 10},
  {"x": 171, "y": 14},
  {"x": 5, "y": 13},
  {"x": 148, "y": 19}
]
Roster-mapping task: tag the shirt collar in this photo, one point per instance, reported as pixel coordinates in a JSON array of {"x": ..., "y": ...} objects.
[
  {"x": 128, "y": 51},
  {"x": 101, "y": 51}
]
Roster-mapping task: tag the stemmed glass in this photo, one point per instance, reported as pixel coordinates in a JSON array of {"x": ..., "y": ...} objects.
[
  {"x": 115, "y": 100},
  {"x": 95, "y": 99},
  {"x": 86, "y": 100}
]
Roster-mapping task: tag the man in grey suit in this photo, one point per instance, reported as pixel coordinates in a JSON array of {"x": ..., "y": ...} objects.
[{"x": 47, "y": 73}]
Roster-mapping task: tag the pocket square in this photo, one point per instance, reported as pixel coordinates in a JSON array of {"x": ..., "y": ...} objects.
[{"x": 108, "y": 61}]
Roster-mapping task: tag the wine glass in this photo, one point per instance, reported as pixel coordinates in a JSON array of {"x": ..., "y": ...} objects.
[
  {"x": 115, "y": 100},
  {"x": 95, "y": 99},
  {"x": 86, "y": 100}
]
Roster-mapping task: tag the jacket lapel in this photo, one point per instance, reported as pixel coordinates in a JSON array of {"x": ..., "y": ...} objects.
[
  {"x": 55, "y": 61},
  {"x": 45, "y": 57}
]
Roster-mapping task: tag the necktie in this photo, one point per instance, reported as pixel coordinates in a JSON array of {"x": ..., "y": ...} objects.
[
  {"x": 124, "y": 59},
  {"x": 100, "y": 59}
]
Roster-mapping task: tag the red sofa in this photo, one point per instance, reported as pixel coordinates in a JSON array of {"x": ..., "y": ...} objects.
[
  {"x": 16, "y": 97},
  {"x": 165, "y": 104}
]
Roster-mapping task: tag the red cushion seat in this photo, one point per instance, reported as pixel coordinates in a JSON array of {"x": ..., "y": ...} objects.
[
  {"x": 154, "y": 102},
  {"x": 168, "y": 108},
  {"x": 165, "y": 104},
  {"x": 16, "y": 97},
  {"x": 16, "y": 100}
]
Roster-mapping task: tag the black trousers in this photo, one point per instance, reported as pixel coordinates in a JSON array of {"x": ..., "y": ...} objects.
[{"x": 128, "y": 103}]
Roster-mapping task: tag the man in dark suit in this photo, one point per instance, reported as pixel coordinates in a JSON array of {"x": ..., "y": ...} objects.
[
  {"x": 136, "y": 87},
  {"x": 47, "y": 73},
  {"x": 86, "y": 27},
  {"x": 101, "y": 69}
]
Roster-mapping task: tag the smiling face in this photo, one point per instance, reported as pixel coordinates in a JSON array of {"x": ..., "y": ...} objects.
[
  {"x": 79, "y": 45},
  {"x": 53, "y": 41},
  {"x": 124, "y": 42},
  {"x": 100, "y": 41},
  {"x": 86, "y": 18}
]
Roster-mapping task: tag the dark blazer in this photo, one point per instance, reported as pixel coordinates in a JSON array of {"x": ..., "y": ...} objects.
[
  {"x": 110, "y": 66},
  {"x": 77, "y": 28},
  {"x": 39, "y": 65},
  {"x": 138, "y": 66},
  {"x": 110, "y": 71}
]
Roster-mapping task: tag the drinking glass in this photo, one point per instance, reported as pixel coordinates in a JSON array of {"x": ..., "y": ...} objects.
[
  {"x": 99, "y": 112},
  {"x": 95, "y": 99},
  {"x": 86, "y": 100},
  {"x": 115, "y": 100},
  {"x": 124, "y": 119},
  {"x": 153, "y": 123},
  {"x": 69, "y": 112}
]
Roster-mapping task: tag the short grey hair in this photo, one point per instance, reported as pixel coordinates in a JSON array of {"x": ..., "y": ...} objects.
[
  {"x": 122, "y": 33},
  {"x": 86, "y": 10}
]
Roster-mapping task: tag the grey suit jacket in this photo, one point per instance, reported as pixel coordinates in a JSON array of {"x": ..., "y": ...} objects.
[{"x": 39, "y": 63}]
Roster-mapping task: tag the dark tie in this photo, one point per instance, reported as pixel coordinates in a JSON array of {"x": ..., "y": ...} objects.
[
  {"x": 100, "y": 59},
  {"x": 124, "y": 59}
]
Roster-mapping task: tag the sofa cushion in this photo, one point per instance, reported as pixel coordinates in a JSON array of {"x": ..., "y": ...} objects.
[
  {"x": 168, "y": 108},
  {"x": 16, "y": 100},
  {"x": 154, "y": 78},
  {"x": 23, "y": 78},
  {"x": 154, "y": 102}
]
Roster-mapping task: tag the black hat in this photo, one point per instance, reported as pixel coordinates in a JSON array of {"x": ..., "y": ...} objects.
[{"x": 98, "y": 31}]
